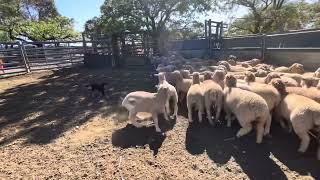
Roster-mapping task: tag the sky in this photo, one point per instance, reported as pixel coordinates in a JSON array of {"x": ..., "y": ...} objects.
[{"x": 83, "y": 10}]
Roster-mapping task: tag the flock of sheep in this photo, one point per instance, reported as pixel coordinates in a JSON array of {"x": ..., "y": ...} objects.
[{"x": 251, "y": 92}]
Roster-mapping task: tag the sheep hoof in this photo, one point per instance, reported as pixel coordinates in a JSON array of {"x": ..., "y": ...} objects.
[{"x": 158, "y": 130}]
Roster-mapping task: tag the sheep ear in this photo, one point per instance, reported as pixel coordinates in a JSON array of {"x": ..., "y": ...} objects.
[
  {"x": 156, "y": 75},
  {"x": 157, "y": 86}
]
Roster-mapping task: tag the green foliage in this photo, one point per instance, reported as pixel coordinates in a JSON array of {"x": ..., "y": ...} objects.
[
  {"x": 57, "y": 28},
  {"x": 4, "y": 37},
  {"x": 36, "y": 20},
  {"x": 152, "y": 15},
  {"x": 263, "y": 18}
]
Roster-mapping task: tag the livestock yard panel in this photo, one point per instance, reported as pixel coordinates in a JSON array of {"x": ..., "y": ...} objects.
[
  {"x": 12, "y": 59},
  {"x": 309, "y": 57}
]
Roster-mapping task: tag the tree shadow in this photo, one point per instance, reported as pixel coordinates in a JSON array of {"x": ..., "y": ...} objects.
[
  {"x": 42, "y": 111},
  {"x": 221, "y": 145}
]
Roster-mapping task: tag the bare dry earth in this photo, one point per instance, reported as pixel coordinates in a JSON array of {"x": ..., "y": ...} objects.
[{"x": 51, "y": 128}]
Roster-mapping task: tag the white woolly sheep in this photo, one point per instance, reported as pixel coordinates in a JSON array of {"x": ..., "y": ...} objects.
[
  {"x": 172, "y": 94},
  {"x": 248, "y": 107},
  {"x": 289, "y": 82},
  {"x": 225, "y": 64},
  {"x": 267, "y": 92},
  {"x": 312, "y": 92},
  {"x": 195, "y": 97},
  {"x": 141, "y": 101},
  {"x": 294, "y": 68},
  {"x": 301, "y": 112},
  {"x": 218, "y": 77},
  {"x": 182, "y": 85},
  {"x": 213, "y": 97}
]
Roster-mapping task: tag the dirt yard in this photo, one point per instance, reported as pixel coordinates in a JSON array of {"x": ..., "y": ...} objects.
[{"x": 52, "y": 128}]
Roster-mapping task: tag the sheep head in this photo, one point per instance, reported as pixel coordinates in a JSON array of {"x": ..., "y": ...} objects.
[
  {"x": 207, "y": 75},
  {"x": 185, "y": 73},
  {"x": 308, "y": 82},
  {"x": 249, "y": 77},
  {"x": 271, "y": 76},
  {"x": 296, "y": 68},
  {"x": 279, "y": 85},
  {"x": 177, "y": 75},
  {"x": 230, "y": 81},
  {"x": 226, "y": 64},
  {"x": 161, "y": 77},
  {"x": 219, "y": 75},
  {"x": 196, "y": 78},
  {"x": 163, "y": 91},
  {"x": 245, "y": 65}
]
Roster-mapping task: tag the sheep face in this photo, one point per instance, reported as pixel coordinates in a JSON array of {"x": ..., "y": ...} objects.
[
  {"x": 207, "y": 75},
  {"x": 279, "y": 85},
  {"x": 161, "y": 77},
  {"x": 230, "y": 81},
  {"x": 163, "y": 91},
  {"x": 249, "y": 77}
]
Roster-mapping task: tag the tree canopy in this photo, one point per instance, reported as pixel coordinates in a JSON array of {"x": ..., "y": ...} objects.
[
  {"x": 151, "y": 15},
  {"x": 36, "y": 20},
  {"x": 266, "y": 16}
]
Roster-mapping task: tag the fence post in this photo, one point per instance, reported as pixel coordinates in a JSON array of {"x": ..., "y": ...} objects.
[
  {"x": 84, "y": 43},
  {"x": 24, "y": 57},
  {"x": 263, "y": 46}
]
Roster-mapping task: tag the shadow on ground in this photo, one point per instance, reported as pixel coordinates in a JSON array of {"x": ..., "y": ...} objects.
[
  {"x": 220, "y": 145},
  {"x": 40, "y": 112}
]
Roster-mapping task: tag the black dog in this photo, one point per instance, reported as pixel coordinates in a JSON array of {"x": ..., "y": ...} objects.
[{"x": 99, "y": 87}]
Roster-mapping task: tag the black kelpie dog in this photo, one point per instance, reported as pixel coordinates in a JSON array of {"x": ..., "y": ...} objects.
[{"x": 99, "y": 87}]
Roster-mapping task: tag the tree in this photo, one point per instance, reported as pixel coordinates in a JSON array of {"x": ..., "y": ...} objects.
[
  {"x": 192, "y": 30},
  {"x": 150, "y": 15},
  {"x": 36, "y": 20},
  {"x": 282, "y": 16},
  {"x": 258, "y": 18}
]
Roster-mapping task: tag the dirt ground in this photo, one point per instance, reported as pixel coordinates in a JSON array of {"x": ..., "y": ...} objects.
[{"x": 52, "y": 128}]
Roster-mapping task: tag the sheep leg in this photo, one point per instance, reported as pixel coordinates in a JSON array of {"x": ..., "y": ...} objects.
[
  {"x": 156, "y": 122},
  {"x": 246, "y": 128},
  {"x": 200, "y": 112},
  {"x": 208, "y": 109},
  {"x": 305, "y": 140},
  {"x": 165, "y": 114},
  {"x": 218, "y": 111},
  {"x": 260, "y": 129},
  {"x": 228, "y": 117},
  {"x": 132, "y": 118},
  {"x": 189, "y": 112},
  {"x": 268, "y": 125},
  {"x": 168, "y": 106},
  {"x": 176, "y": 109}
]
